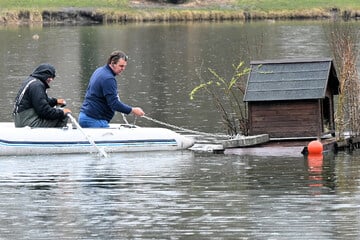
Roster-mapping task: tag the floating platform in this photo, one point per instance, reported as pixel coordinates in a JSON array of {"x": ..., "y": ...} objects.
[
  {"x": 262, "y": 145},
  {"x": 218, "y": 145}
]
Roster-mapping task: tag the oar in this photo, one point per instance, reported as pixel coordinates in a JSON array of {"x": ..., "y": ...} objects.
[{"x": 101, "y": 151}]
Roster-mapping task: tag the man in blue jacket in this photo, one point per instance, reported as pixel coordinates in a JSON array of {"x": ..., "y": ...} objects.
[{"x": 101, "y": 98}]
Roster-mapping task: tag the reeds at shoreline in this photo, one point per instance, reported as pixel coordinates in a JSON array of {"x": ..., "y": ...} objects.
[{"x": 104, "y": 16}]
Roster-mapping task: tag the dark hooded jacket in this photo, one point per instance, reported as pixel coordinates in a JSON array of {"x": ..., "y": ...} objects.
[{"x": 35, "y": 95}]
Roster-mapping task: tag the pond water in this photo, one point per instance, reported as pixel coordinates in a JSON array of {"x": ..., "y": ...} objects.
[
  {"x": 168, "y": 195},
  {"x": 166, "y": 62},
  {"x": 179, "y": 195}
]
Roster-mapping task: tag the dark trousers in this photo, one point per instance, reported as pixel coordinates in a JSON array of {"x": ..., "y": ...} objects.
[{"x": 31, "y": 119}]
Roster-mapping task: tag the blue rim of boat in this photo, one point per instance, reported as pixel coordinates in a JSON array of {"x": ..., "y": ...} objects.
[{"x": 146, "y": 142}]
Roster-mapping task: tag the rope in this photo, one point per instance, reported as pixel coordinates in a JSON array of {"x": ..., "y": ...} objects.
[
  {"x": 186, "y": 130},
  {"x": 124, "y": 118}
]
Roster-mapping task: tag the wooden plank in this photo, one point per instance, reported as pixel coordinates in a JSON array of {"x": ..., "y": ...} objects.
[{"x": 245, "y": 141}]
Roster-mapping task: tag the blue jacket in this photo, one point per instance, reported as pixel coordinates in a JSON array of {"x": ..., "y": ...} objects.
[{"x": 101, "y": 98}]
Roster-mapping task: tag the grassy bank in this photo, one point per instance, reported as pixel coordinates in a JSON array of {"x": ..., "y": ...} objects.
[
  {"x": 51, "y": 4},
  {"x": 259, "y": 5},
  {"x": 106, "y": 11},
  {"x": 287, "y": 5}
]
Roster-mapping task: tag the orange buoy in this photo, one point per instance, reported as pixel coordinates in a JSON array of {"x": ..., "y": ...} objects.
[{"x": 315, "y": 147}]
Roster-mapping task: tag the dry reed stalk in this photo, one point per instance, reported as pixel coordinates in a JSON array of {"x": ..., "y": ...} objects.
[{"x": 343, "y": 44}]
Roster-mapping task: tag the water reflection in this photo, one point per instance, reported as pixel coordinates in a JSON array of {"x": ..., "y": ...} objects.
[
  {"x": 321, "y": 171},
  {"x": 176, "y": 196},
  {"x": 78, "y": 196}
]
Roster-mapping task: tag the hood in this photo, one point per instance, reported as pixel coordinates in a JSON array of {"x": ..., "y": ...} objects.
[{"x": 43, "y": 72}]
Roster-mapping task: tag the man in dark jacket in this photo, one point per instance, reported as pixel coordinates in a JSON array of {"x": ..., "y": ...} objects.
[{"x": 33, "y": 107}]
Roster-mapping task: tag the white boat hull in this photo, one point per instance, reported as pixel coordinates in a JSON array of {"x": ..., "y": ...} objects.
[{"x": 117, "y": 138}]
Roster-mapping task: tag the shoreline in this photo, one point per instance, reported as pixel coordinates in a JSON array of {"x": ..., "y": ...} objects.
[{"x": 174, "y": 14}]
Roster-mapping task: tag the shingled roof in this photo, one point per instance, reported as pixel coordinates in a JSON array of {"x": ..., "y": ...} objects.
[{"x": 295, "y": 79}]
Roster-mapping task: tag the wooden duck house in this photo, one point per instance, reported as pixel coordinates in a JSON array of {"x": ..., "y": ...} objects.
[{"x": 292, "y": 98}]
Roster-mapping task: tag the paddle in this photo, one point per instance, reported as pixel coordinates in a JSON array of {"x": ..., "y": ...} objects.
[{"x": 92, "y": 142}]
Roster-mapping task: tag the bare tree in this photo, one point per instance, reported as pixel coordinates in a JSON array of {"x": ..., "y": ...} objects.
[{"x": 342, "y": 39}]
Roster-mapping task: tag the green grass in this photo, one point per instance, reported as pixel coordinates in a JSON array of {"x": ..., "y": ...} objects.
[
  {"x": 41, "y": 4},
  {"x": 276, "y": 5},
  {"x": 262, "y": 5}
]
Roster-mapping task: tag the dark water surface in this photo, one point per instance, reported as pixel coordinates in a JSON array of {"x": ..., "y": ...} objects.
[
  {"x": 181, "y": 195},
  {"x": 166, "y": 61},
  {"x": 168, "y": 195}
]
